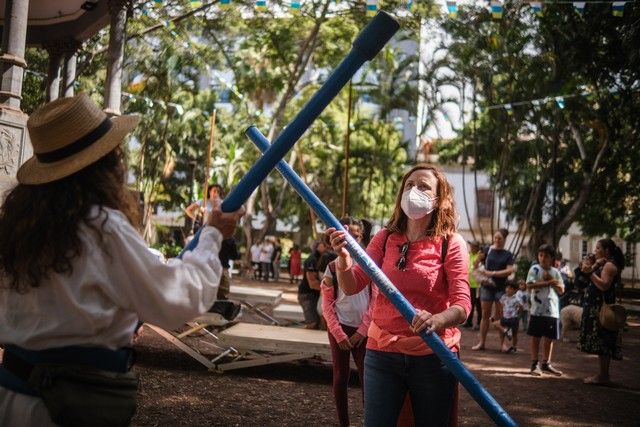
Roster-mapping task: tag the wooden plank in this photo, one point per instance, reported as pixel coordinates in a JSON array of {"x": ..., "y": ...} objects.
[
  {"x": 255, "y": 295},
  {"x": 277, "y": 339},
  {"x": 289, "y": 312},
  {"x": 260, "y": 361},
  {"x": 182, "y": 346}
]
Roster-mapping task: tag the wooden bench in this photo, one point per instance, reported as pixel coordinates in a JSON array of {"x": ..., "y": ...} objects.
[
  {"x": 290, "y": 312},
  {"x": 257, "y": 300}
]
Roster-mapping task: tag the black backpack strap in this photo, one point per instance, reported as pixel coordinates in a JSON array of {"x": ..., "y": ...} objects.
[
  {"x": 334, "y": 277},
  {"x": 445, "y": 247}
]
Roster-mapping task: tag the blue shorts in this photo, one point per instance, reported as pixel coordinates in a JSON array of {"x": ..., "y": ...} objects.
[
  {"x": 488, "y": 293},
  {"x": 544, "y": 326}
]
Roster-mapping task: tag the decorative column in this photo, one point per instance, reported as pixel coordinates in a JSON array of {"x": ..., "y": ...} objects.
[
  {"x": 70, "y": 62},
  {"x": 14, "y": 148},
  {"x": 113, "y": 85},
  {"x": 55, "y": 68},
  {"x": 14, "y": 35}
]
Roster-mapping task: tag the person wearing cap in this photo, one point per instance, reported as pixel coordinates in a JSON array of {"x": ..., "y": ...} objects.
[{"x": 75, "y": 276}]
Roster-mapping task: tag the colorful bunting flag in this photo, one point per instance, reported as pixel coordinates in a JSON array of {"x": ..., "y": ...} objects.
[
  {"x": 195, "y": 3},
  {"x": 496, "y": 10},
  {"x": 169, "y": 24},
  {"x": 560, "y": 102},
  {"x": 452, "y": 9},
  {"x": 535, "y": 102},
  {"x": 295, "y": 6},
  {"x": 372, "y": 7},
  {"x": 225, "y": 4},
  {"x": 536, "y": 7},
  {"x": 157, "y": 3},
  {"x": 617, "y": 8},
  {"x": 509, "y": 109},
  {"x": 261, "y": 5},
  {"x": 410, "y": 5},
  {"x": 137, "y": 84},
  {"x": 579, "y": 7}
]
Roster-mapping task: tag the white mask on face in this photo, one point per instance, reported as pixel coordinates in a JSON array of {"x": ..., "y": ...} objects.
[{"x": 416, "y": 204}]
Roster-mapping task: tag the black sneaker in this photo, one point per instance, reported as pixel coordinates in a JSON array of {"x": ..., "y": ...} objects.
[
  {"x": 546, "y": 367},
  {"x": 535, "y": 369}
]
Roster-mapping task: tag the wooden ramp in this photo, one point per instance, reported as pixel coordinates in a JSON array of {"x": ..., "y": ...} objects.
[
  {"x": 265, "y": 344},
  {"x": 245, "y": 345}
]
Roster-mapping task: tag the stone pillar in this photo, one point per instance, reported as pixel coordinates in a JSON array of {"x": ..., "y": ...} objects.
[
  {"x": 54, "y": 72},
  {"x": 14, "y": 145},
  {"x": 14, "y": 35},
  {"x": 71, "y": 59},
  {"x": 117, "y": 29}
]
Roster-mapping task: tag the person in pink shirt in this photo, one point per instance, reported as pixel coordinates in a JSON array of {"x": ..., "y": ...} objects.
[
  {"x": 347, "y": 318},
  {"x": 420, "y": 251}
]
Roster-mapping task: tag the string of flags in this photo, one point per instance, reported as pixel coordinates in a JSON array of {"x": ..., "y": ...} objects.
[
  {"x": 559, "y": 101},
  {"x": 295, "y": 6},
  {"x": 497, "y": 7}
]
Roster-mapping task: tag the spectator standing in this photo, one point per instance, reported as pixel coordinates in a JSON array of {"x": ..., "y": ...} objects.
[
  {"x": 498, "y": 266},
  {"x": 309, "y": 288},
  {"x": 275, "y": 259},
  {"x": 295, "y": 263},
  {"x": 594, "y": 339},
  {"x": 571, "y": 312},
  {"x": 523, "y": 296},
  {"x": 508, "y": 324},
  {"x": 266, "y": 251},
  {"x": 546, "y": 286},
  {"x": 256, "y": 249}
]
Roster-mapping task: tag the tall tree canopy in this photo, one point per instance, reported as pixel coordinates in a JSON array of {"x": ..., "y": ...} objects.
[{"x": 592, "y": 132}]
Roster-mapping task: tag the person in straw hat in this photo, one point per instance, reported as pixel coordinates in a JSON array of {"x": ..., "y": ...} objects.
[{"x": 75, "y": 276}]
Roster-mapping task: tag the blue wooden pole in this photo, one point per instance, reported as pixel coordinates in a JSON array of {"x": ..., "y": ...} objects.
[
  {"x": 466, "y": 378},
  {"x": 368, "y": 43},
  {"x": 365, "y": 47}
]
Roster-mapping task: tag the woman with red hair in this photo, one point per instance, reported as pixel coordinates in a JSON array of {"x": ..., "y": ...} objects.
[{"x": 420, "y": 251}]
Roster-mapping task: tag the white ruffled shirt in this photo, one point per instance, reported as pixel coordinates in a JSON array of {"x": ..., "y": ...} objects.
[{"x": 114, "y": 283}]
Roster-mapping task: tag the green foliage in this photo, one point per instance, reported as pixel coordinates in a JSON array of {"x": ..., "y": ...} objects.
[{"x": 523, "y": 57}]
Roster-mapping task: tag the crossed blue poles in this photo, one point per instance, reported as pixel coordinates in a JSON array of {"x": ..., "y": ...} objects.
[
  {"x": 368, "y": 43},
  {"x": 473, "y": 386}
]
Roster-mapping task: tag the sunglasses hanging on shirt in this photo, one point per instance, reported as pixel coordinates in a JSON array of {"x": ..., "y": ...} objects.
[{"x": 402, "y": 262}]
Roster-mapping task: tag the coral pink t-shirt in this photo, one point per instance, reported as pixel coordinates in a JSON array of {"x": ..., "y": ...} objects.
[{"x": 422, "y": 283}]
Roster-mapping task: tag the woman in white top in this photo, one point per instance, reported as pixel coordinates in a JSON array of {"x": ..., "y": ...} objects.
[
  {"x": 75, "y": 277},
  {"x": 348, "y": 320}
]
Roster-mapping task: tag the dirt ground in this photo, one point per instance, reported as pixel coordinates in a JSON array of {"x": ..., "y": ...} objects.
[{"x": 176, "y": 390}]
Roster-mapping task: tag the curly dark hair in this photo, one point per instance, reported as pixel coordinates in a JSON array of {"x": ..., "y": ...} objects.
[{"x": 39, "y": 223}]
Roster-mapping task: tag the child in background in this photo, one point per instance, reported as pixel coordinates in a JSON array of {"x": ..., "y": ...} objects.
[
  {"x": 523, "y": 295},
  {"x": 545, "y": 284},
  {"x": 508, "y": 324}
]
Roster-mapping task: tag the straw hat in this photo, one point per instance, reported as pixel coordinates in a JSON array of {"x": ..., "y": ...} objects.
[{"x": 69, "y": 134}]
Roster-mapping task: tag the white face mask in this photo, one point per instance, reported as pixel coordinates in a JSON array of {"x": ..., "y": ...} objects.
[{"x": 417, "y": 204}]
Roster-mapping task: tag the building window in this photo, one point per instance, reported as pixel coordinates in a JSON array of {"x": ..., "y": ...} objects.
[
  {"x": 584, "y": 248},
  {"x": 630, "y": 254},
  {"x": 485, "y": 203}
]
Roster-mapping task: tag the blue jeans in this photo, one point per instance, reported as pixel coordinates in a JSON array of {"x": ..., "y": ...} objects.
[{"x": 389, "y": 376}]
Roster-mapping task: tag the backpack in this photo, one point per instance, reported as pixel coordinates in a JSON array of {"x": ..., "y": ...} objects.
[{"x": 332, "y": 264}]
